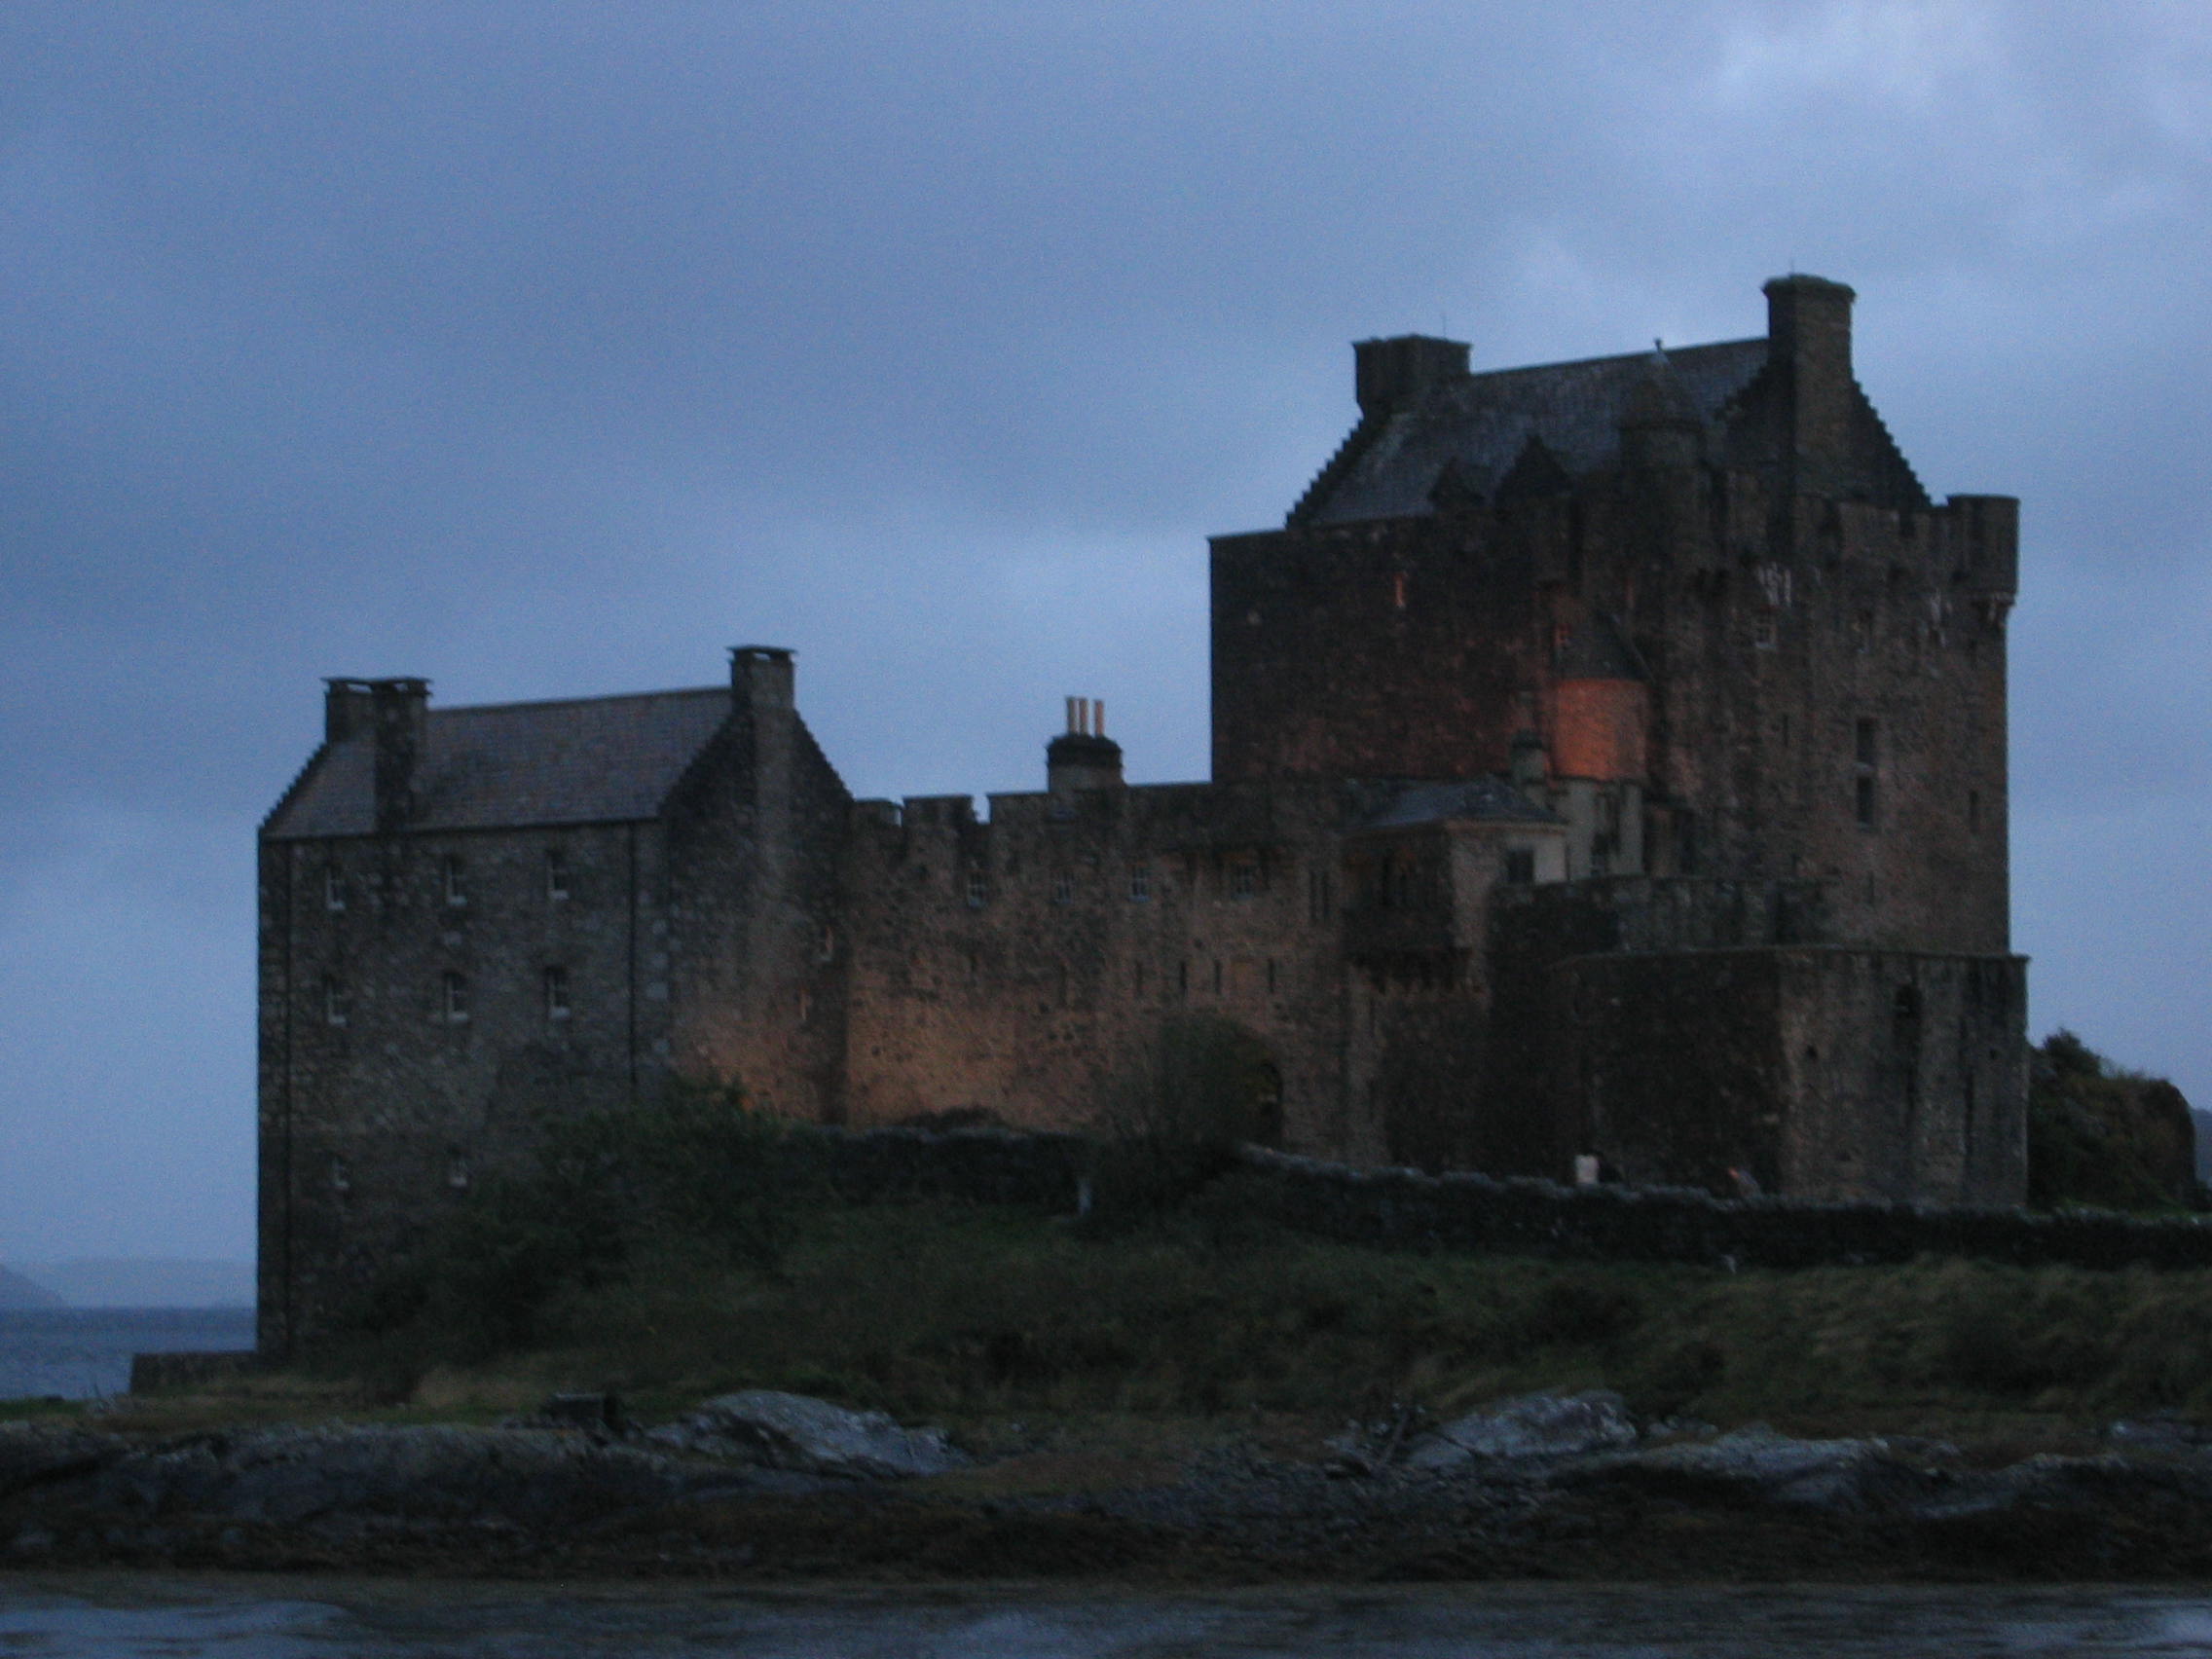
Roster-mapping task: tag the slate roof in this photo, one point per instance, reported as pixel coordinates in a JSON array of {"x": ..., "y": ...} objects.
[
  {"x": 1482, "y": 425},
  {"x": 1398, "y": 806},
  {"x": 505, "y": 765}
]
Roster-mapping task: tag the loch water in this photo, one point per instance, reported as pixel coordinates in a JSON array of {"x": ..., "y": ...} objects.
[
  {"x": 124, "y": 1616},
  {"x": 84, "y": 1353}
]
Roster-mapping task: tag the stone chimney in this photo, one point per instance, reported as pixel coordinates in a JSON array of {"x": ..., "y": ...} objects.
[
  {"x": 1083, "y": 757},
  {"x": 346, "y": 708},
  {"x": 1808, "y": 331},
  {"x": 399, "y": 714},
  {"x": 764, "y": 716},
  {"x": 1398, "y": 372},
  {"x": 760, "y": 678}
]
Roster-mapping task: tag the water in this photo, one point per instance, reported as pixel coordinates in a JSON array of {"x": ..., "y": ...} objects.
[
  {"x": 84, "y": 1353},
  {"x": 121, "y": 1617}
]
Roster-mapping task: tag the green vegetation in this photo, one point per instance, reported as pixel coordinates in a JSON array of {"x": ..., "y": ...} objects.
[
  {"x": 2100, "y": 1135},
  {"x": 947, "y": 1312},
  {"x": 669, "y": 1254},
  {"x": 689, "y": 1186}
]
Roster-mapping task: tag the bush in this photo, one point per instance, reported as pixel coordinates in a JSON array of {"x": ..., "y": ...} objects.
[
  {"x": 1171, "y": 1124},
  {"x": 694, "y": 1177},
  {"x": 2098, "y": 1134}
]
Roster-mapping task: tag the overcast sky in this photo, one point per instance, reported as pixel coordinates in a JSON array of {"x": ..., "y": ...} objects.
[{"x": 550, "y": 349}]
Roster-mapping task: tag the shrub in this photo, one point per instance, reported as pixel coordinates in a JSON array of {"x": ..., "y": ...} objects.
[
  {"x": 1171, "y": 1124},
  {"x": 2098, "y": 1134},
  {"x": 696, "y": 1175}
]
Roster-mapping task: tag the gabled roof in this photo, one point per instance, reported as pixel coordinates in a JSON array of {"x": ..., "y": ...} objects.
[
  {"x": 506, "y": 765},
  {"x": 1483, "y": 423},
  {"x": 1401, "y": 805}
]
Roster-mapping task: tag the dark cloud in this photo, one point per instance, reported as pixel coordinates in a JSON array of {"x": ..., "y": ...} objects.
[{"x": 549, "y": 349}]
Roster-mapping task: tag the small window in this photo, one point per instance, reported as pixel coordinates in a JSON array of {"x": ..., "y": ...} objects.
[
  {"x": 1864, "y": 803},
  {"x": 1868, "y": 736},
  {"x": 1520, "y": 865},
  {"x": 454, "y": 880},
  {"x": 333, "y": 887},
  {"x": 825, "y": 948},
  {"x": 1243, "y": 879},
  {"x": 1973, "y": 812},
  {"x": 1317, "y": 896},
  {"x": 457, "y": 1174},
  {"x": 1217, "y": 975},
  {"x": 557, "y": 994},
  {"x": 333, "y": 1000},
  {"x": 979, "y": 889},
  {"x": 1271, "y": 976},
  {"x": 455, "y": 999},
  {"x": 1063, "y": 890},
  {"x": 1140, "y": 884},
  {"x": 1766, "y": 631},
  {"x": 341, "y": 1175},
  {"x": 556, "y": 874},
  {"x": 1183, "y": 978}
]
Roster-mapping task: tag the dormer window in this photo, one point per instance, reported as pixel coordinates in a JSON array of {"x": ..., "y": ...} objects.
[{"x": 453, "y": 880}]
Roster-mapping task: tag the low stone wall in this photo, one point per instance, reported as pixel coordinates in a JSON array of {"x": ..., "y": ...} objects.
[
  {"x": 181, "y": 1371},
  {"x": 985, "y": 1167},
  {"x": 1403, "y": 1209}
]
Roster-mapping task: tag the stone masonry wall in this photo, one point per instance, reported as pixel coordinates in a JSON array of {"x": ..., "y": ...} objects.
[
  {"x": 1402, "y": 1209},
  {"x": 385, "y": 1093}
]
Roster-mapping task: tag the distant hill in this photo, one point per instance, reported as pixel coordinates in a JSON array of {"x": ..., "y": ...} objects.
[
  {"x": 16, "y": 1291},
  {"x": 146, "y": 1281}
]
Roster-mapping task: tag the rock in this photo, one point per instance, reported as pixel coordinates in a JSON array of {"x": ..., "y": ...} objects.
[
  {"x": 594, "y": 1412},
  {"x": 291, "y": 1476},
  {"x": 793, "y": 1431},
  {"x": 1533, "y": 1425},
  {"x": 1755, "y": 1463},
  {"x": 2159, "y": 1435},
  {"x": 38, "y": 1453}
]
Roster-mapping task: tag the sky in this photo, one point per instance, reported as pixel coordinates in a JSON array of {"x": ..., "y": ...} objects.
[{"x": 548, "y": 350}]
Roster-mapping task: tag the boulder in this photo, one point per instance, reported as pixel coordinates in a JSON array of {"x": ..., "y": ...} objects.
[
  {"x": 1754, "y": 1464},
  {"x": 1532, "y": 1425},
  {"x": 40, "y": 1454},
  {"x": 2159, "y": 1435},
  {"x": 794, "y": 1432}
]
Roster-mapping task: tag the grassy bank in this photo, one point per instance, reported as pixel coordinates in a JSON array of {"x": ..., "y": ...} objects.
[{"x": 952, "y": 1313}]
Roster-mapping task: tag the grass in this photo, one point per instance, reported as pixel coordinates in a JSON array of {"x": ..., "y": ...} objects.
[{"x": 974, "y": 1317}]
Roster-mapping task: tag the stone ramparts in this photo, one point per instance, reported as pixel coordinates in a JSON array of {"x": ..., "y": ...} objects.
[{"x": 1403, "y": 1209}]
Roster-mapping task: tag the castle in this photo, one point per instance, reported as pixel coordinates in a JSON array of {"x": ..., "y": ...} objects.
[{"x": 1608, "y": 768}]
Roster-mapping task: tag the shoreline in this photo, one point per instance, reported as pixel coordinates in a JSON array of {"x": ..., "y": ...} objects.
[{"x": 536, "y": 1504}]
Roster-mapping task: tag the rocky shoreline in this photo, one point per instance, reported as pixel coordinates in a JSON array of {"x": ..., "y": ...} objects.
[{"x": 778, "y": 1488}]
